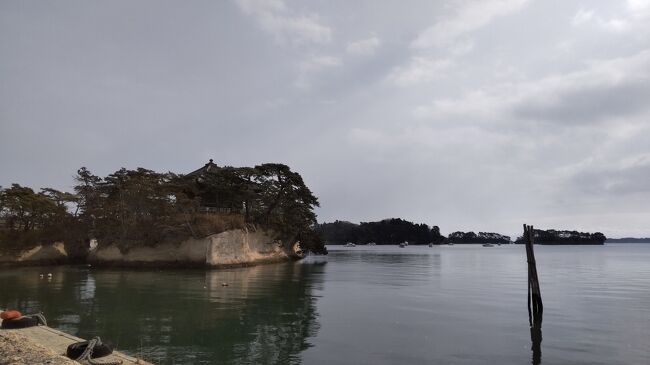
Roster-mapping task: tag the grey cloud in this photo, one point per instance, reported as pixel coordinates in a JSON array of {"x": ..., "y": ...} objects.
[
  {"x": 468, "y": 17},
  {"x": 603, "y": 90},
  {"x": 590, "y": 104},
  {"x": 614, "y": 180},
  {"x": 275, "y": 17}
]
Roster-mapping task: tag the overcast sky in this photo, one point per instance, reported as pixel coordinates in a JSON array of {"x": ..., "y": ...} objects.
[{"x": 471, "y": 115}]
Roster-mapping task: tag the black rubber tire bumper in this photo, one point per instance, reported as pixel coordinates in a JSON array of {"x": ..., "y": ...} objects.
[
  {"x": 22, "y": 322},
  {"x": 76, "y": 349}
]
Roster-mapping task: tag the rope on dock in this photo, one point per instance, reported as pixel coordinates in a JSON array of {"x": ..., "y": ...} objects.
[
  {"x": 40, "y": 317},
  {"x": 88, "y": 352}
]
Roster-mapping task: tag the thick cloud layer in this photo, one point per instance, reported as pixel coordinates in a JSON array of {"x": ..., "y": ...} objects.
[{"x": 466, "y": 114}]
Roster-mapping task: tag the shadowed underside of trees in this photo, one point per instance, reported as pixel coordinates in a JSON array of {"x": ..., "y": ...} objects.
[{"x": 130, "y": 208}]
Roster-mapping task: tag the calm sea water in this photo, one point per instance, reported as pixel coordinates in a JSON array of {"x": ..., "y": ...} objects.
[{"x": 365, "y": 305}]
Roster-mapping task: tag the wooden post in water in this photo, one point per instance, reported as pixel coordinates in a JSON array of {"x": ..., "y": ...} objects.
[{"x": 535, "y": 306}]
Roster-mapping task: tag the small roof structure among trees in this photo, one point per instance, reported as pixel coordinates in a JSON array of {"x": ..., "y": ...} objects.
[
  {"x": 217, "y": 188},
  {"x": 210, "y": 166}
]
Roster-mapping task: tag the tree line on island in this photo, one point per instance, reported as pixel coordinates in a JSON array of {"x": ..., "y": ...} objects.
[
  {"x": 143, "y": 207},
  {"x": 385, "y": 232},
  {"x": 394, "y": 231},
  {"x": 555, "y": 237}
]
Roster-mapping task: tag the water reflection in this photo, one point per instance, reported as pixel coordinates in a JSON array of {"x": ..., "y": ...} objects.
[
  {"x": 265, "y": 314},
  {"x": 536, "y": 338}
]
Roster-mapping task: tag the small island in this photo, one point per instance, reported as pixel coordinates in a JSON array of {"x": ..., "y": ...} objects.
[
  {"x": 481, "y": 237},
  {"x": 555, "y": 237},
  {"x": 390, "y": 231},
  {"x": 213, "y": 216}
]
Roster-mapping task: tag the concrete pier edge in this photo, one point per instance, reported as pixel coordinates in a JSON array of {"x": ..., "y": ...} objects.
[{"x": 58, "y": 341}]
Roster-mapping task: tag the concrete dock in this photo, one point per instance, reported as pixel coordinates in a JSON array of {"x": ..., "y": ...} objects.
[{"x": 54, "y": 343}]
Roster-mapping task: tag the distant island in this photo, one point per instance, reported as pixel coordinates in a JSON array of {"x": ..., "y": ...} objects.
[
  {"x": 481, "y": 237},
  {"x": 390, "y": 231},
  {"x": 554, "y": 237},
  {"x": 393, "y": 231},
  {"x": 628, "y": 240}
]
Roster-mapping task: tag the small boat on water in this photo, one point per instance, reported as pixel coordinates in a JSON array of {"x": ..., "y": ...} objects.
[
  {"x": 403, "y": 244},
  {"x": 430, "y": 244},
  {"x": 350, "y": 244},
  {"x": 372, "y": 244},
  {"x": 488, "y": 245}
]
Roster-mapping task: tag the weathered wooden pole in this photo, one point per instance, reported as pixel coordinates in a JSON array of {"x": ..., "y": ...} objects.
[{"x": 535, "y": 306}]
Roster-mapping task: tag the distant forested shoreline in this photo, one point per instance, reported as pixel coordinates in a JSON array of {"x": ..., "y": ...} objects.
[
  {"x": 394, "y": 231},
  {"x": 385, "y": 232}
]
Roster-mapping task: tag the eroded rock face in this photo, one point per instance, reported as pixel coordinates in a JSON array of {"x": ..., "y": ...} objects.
[
  {"x": 190, "y": 251},
  {"x": 230, "y": 248},
  {"x": 242, "y": 246},
  {"x": 55, "y": 252},
  {"x": 235, "y": 247}
]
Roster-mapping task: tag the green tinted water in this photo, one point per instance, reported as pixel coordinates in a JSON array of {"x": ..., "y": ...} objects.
[{"x": 376, "y": 305}]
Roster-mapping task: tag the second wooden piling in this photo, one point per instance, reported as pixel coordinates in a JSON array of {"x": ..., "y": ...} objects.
[{"x": 535, "y": 306}]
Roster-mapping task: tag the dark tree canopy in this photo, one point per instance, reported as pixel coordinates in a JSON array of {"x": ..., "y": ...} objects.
[
  {"x": 554, "y": 237},
  {"x": 386, "y": 232},
  {"x": 269, "y": 195},
  {"x": 481, "y": 237},
  {"x": 28, "y": 218}
]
